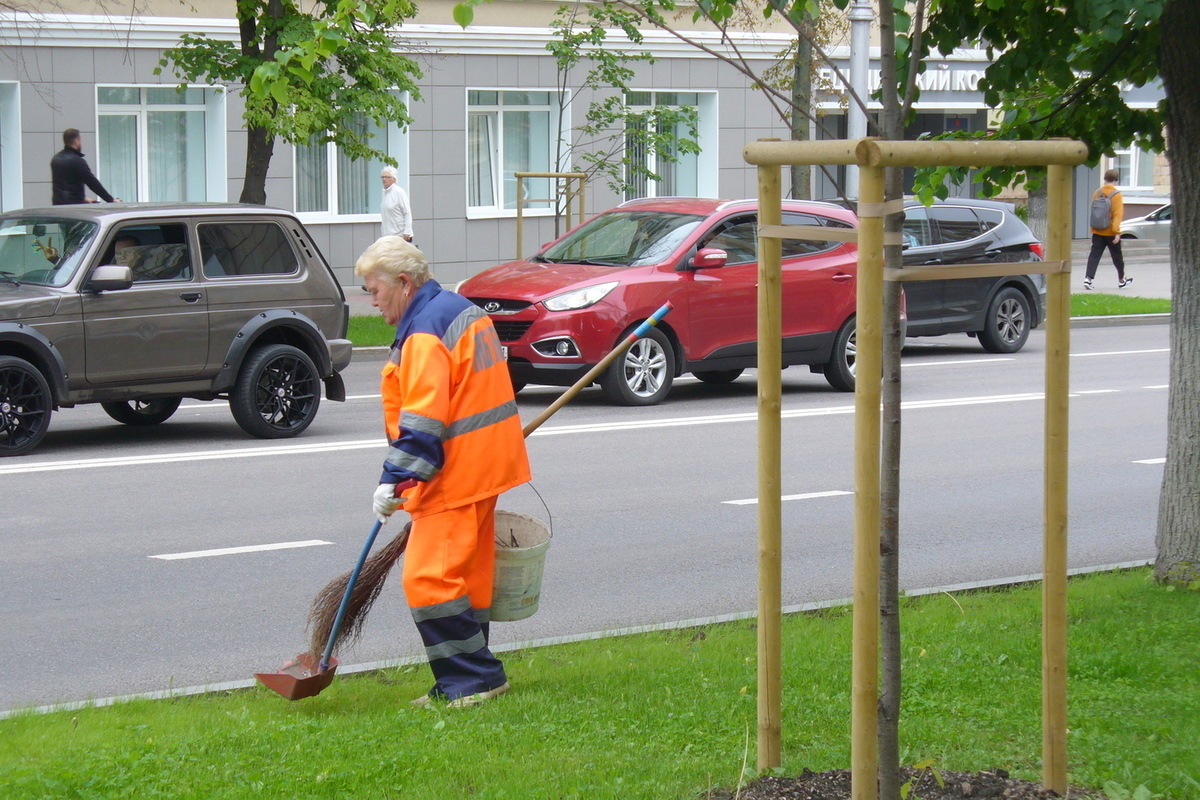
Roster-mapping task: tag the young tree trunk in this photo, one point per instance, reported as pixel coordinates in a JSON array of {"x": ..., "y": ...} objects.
[
  {"x": 801, "y": 108},
  {"x": 889, "y": 499},
  {"x": 260, "y": 145},
  {"x": 1178, "y": 538},
  {"x": 1038, "y": 207}
]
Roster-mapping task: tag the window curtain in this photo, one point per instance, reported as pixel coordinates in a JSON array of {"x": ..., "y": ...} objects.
[
  {"x": 116, "y": 165},
  {"x": 176, "y": 156},
  {"x": 359, "y": 188},
  {"x": 480, "y": 167},
  {"x": 312, "y": 177}
]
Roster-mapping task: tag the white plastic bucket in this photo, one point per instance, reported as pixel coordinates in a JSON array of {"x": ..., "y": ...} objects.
[{"x": 521, "y": 543}]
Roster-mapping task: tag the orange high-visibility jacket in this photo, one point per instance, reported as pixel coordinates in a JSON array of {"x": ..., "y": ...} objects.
[{"x": 448, "y": 406}]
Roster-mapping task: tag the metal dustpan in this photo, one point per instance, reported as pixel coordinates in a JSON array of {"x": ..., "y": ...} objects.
[{"x": 301, "y": 678}]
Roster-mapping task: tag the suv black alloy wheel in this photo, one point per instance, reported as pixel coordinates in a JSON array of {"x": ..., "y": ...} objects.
[
  {"x": 25, "y": 405},
  {"x": 277, "y": 392}
]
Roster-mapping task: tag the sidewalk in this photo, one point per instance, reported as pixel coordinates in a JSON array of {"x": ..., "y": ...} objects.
[{"x": 1147, "y": 263}]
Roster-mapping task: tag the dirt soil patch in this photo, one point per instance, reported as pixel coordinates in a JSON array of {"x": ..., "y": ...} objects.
[{"x": 835, "y": 785}]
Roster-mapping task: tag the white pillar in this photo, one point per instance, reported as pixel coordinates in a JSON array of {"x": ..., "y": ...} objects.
[{"x": 861, "y": 16}]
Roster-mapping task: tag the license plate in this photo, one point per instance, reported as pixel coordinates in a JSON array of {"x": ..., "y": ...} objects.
[{"x": 504, "y": 351}]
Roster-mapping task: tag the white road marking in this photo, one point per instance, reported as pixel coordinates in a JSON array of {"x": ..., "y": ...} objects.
[
  {"x": 955, "y": 363},
  {"x": 1096, "y": 391},
  {"x": 1160, "y": 386},
  {"x": 1151, "y": 461},
  {"x": 1122, "y": 353},
  {"x": 809, "y": 496},
  {"x": 229, "y": 551},
  {"x": 548, "y": 430},
  {"x": 204, "y": 455}
]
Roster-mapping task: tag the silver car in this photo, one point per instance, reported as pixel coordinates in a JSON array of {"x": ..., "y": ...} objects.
[
  {"x": 139, "y": 306},
  {"x": 1155, "y": 226}
]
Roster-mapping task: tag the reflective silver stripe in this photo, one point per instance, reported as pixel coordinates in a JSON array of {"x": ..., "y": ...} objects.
[
  {"x": 414, "y": 464},
  {"x": 422, "y": 424},
  {"x": 446, "y": 649},
  {"x": 487, "y": 349},
  {"x": 481, "y": 420},
  {"x": 449, "y": 608},
  {"x": 458, "y": 326},
  {"x": 483, "y": 615}
]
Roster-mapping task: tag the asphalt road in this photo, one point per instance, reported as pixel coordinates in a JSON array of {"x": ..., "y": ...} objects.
[{"x": 652, "y": 509}]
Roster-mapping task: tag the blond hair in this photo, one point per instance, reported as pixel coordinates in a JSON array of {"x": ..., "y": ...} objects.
[{"x": 390, "y": 256}]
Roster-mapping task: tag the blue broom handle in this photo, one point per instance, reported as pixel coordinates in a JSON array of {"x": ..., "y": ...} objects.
[{"x": 341, "y": 612}]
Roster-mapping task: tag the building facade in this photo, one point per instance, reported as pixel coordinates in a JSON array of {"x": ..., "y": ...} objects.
[{"x": 492, "y": 103}]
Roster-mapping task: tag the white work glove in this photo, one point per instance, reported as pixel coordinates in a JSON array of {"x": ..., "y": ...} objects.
[{"x": 386, "y": 503}]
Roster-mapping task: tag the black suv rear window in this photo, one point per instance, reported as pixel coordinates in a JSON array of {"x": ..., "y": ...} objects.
[
  {"x": 245, "y": 248},
  {"x": 956, "y": 223}
]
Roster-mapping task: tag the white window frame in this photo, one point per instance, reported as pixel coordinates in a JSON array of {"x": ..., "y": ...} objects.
[
  {"x": 12, "y": 187},
  {"x": 396, "y": 146},
  {"x": 497, "y": 210},
  {"x": 215, "y": 177},
  {"x": 1138, "y": 160},
  {"x": 707, "y": 133}
]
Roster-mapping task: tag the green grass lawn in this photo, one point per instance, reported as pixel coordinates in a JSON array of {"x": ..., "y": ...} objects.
[
  {"x": 372, "y": 331},
  {"x": 665, "y": 715},
  {"x": 1098, "y": 304}
]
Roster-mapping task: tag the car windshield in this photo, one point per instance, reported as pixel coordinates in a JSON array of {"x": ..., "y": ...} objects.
[
  {"x": 43, "y": 250},
  {"x": 624, "y": 239}
]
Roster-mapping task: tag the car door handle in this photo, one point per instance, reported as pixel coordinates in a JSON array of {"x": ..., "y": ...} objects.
[
  {"x": 842, "y": 277},
  {"x": 191, "y": 297}
]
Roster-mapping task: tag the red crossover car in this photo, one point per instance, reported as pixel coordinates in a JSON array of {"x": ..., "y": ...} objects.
[{"x": 559, "y": 312}]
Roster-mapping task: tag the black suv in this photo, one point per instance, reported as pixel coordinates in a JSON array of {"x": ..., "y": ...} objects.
[
  {"x": 138, "y": 306},
  {"x": 999, "y": 312}
]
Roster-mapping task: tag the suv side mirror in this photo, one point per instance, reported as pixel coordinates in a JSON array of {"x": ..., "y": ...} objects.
[
  {"x": 109, "y": 278},
  {"x": 707, "y": 257}
]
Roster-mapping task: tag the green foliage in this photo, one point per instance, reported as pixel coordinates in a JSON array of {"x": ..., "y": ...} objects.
[
  {"x": 613, "y": 127},
  {"x": 1115, "y": 791},
  {"x": 1057, "y": 71},
  {"x": 305, "y": 74}
]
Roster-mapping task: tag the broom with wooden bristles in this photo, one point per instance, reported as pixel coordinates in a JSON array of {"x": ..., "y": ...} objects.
[
  {"x": 366, "y": 589},
  {"x": 374, "y": 572}
]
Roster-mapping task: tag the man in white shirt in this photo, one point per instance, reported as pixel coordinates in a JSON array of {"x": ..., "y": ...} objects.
[{"x": 397, "y": 218}]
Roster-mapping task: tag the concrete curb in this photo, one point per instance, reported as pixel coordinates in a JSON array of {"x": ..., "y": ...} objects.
[
  {"x": 1121, "y": 320},
  {"x": 372, "y": 666},
  {"x": 368, "y": 353}
]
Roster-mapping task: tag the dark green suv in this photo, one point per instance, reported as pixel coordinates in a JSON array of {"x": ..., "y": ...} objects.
[{"x": 138, "y": 306}]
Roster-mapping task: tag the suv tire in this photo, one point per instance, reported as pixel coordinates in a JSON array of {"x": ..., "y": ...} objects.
[
  {"x": 643, "y": 374},
  {"x": 1006, "y": 326},
  {"x": 277, "y": 392},
  {"x": 25, "y": 406},
  {"x": 142, "y": 412},
  {"x": 841, "y": 369}
]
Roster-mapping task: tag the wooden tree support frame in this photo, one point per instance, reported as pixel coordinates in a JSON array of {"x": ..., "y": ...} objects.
[
  {"x": 872, "y": 156},
  {"x": 565, "y": 186}
]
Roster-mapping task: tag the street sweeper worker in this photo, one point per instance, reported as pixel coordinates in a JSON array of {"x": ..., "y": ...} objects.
[{"x": 455, "y": 444}]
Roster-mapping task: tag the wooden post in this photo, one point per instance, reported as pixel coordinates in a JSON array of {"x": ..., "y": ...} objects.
[
  {"x": 1054, "y": 570},
  {"x": 520, "y": 217},
  {"x": 864, "y": 744},
  {"x": 770, "y": 503}
]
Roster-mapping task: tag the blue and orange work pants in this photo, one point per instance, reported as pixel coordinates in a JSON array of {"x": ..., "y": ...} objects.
[{"x": 448, "y": 573}]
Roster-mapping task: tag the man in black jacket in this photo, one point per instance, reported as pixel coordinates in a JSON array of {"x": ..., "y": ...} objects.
[{"x": 69, "y": 173}]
